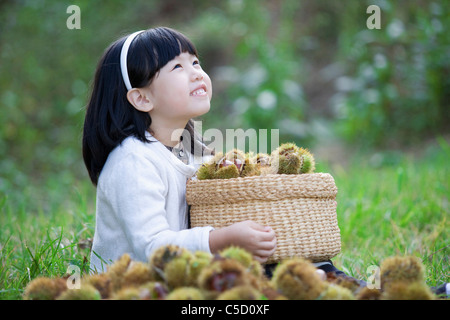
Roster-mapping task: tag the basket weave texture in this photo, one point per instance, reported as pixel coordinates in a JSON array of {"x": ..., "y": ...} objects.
[{"x": 300, "y": 208}]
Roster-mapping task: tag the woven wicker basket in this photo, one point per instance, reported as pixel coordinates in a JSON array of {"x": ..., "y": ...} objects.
[{"x": 300, "y": 208}]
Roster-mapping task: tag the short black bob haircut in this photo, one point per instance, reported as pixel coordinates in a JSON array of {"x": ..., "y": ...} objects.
[{"x": 110, "y": 118}]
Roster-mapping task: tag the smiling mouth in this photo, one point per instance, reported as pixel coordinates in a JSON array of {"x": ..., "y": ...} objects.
[{"x": 199, "y": 91}]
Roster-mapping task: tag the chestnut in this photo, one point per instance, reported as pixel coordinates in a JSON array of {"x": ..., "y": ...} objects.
[
  {"x": 239, "y": 164},
  {"x": 224, "y": 162}
]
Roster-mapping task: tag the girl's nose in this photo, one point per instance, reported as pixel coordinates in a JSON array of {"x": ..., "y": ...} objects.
[{"x": 197, "y": 75}]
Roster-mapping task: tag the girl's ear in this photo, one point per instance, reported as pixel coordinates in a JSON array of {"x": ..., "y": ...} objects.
[{"x": 139, "y": 98}]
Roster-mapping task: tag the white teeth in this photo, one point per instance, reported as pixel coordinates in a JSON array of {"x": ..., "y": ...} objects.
[{"x": 198, "y": 92}]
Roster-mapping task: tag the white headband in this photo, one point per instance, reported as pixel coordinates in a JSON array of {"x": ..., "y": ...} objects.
[{"x": 123, "y": 58}]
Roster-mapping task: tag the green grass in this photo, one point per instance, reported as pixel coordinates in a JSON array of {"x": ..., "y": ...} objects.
[
  {"x": 395, "y": 204},
  {"x": 44, "y": 230},
  {"x": 388, "y": 204}
]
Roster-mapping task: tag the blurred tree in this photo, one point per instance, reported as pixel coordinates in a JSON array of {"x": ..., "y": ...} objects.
[
  {"x": 397, "y": 90},
  {"x": 274, "y": 64},
  {"x": 258, "y": 71}
]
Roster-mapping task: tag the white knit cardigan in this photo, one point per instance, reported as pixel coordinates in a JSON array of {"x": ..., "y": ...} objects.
[{"x": 141, "y": 203}]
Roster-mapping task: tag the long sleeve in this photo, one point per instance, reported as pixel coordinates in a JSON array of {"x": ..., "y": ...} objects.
[{"x": 141, "y": 207}]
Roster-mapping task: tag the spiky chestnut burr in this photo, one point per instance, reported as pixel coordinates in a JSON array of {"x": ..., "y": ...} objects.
[
  {"x": 343, "y": 281},
  {"x": 286, "y": 160},
  {"x": 368, "y": 294},
  {"x": 154, "y": 290},
  {"x": 86, "y": 292},
  {"x": 176, "y": 271},
  {"x": 137, "y": 274},
  {"x": 186, "y": 293},
  {"x": 404, "y": 290},
  {"x": 309, "y": 164},
  {"x": 43, "y": 288},
  {"x": 161, "y": 257},
  {"x": 336, "y": 292},
  {"x": 127, "y": 293},
  {"x": 227, "y": 171},
  {"x": 101, "y": 282},
  {"x": 251, "y": 168},
  {"x": 230, "y": 165},
  {"x": 297, "y": 279},
  {"x": 244, "y": 257},
  {"x": 208, "y": 169},
  {"x": 199, "y": 261},
  {"x": 117, "y": 269},
  {"x": 237, "y": 253},
  {"x": 241, "y": 293},
  {"x": 224, "y": 274},
  {"x": 237, "y": 157},
  {"x": 263, "y": 162},
  {"x": 408, "y": 269},
  {"x": 262, "y": 159}
]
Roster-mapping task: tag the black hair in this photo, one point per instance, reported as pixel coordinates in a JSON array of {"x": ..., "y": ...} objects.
[{"x": 110, "y": 118}]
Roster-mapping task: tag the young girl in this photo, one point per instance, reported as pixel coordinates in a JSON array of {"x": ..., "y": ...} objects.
[{"x": 148, "y": 87}]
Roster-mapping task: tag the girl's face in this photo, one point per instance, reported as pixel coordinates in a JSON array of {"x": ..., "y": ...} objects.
[{"x": 180, "y": 91}]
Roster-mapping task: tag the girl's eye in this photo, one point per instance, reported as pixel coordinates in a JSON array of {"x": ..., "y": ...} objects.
[
  {"x": 196, "y": 62},
  {"x": 177, "y": 66}
]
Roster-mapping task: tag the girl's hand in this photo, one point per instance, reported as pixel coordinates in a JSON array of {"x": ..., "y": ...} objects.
[{"x": 257, "y": 239}]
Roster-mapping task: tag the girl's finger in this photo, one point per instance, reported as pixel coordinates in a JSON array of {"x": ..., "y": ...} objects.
[
  {"x": 259, "y": 259},
  {"x": 267, "y": 235},
  {"x": 264, "y": 253},
  {"x": 268, "y": 245}
]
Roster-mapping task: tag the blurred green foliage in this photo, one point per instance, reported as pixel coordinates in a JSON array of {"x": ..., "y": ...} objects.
[
  {"x": 309, "y": 68},
  {"x": 397, "y": 89}
]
